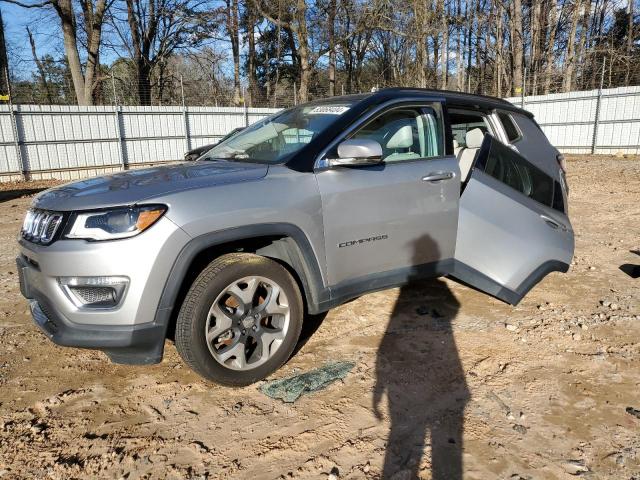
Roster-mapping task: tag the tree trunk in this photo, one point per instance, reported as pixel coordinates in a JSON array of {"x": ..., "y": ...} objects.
[
  {"x": 234, "y": 37},
  {"x": 251, "y": 61},
  {"x": 64, "y": 9},
  {"x": 470, "y": 22},
  {"x": 421, "y": 44},
  {"x": 444, "y": 56},
  {"x": 517, "y": 45},
  {"x": 93, "y": 26},
  {"x": 480, "y": 50},
  {"x": 499, "y": 50},
  {"x": 630, "y": 40},
  {"x": 144, "y": 81},
  {"x": 630, "y": 37},
  {"x": 570, "y": 56},
  {"x": 534, "y": 25},
  {"x": 460, "y": 41},
  {"x": 553, "y": 25},
  {"x": 332, "y": 47},
  {"x": 581, "y": 52},
  {"x": 303, "y": 50}
]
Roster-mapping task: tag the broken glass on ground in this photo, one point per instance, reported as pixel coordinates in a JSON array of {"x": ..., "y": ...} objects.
[{"x": 291, "y": 388}]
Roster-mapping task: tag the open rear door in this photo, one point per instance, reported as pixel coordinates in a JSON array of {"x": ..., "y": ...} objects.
[{"x": 512, "y": 227}]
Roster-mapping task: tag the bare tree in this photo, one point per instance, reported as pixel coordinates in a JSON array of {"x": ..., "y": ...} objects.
[
  {"x": 42, "y": 76},
  {"x": 93, "y": 15},
  {"x": 293, "y": 19},
  {"x": 157, "y": 29}
]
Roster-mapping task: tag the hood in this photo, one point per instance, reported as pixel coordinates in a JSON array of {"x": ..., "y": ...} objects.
[{"x": 136, "y": 186}]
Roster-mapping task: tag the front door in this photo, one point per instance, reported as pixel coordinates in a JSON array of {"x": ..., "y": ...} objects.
[
  {"x": 385, "y": 223},
  {"x": 513, "y": 228}
]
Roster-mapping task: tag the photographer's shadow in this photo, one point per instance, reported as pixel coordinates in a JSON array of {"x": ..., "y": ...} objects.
[{"x": 419, "y": 369}]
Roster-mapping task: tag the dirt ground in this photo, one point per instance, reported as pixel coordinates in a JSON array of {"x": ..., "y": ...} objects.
[{"x": 445, "y": 378}]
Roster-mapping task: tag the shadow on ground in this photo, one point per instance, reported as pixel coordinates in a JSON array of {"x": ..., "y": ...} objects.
[
  {"x": 630, "y": 269},
  {"x": 419, "y": 369},
  {"x": 7, "y": 195}
]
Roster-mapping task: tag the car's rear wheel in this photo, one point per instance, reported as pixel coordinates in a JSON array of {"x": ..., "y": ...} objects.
[{"x": 240, "y": 319}]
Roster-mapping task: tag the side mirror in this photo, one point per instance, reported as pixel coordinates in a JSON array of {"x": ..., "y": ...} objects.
[{"x": 358, "y": 152}]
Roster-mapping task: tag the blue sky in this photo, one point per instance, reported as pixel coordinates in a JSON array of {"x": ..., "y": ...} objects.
[{"x": 45, "y": 27}]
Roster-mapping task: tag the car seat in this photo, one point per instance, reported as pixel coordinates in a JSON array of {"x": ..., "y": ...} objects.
[{"x": 466, "y": 155}]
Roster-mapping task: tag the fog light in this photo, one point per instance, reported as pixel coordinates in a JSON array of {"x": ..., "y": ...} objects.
[{"x": 94, "y": 292}]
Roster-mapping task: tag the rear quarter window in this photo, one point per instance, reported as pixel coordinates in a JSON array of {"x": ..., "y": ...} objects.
[{"x": 510, "y": 128}]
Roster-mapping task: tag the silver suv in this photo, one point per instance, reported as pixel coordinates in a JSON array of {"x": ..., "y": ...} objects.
[{"x": 298, "y": 213}]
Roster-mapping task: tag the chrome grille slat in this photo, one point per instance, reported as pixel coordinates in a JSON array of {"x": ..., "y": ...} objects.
[{"x": 40, "y": 226}]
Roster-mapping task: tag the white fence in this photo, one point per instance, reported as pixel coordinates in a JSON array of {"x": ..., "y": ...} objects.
[
  {"x": 606, "y": 122},
  {"x": 67, "y": 142}
]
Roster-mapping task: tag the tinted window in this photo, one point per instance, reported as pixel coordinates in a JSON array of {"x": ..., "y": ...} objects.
[
  {"x": 558, "y": 200},
  {"x": 505, "y": 165},
  {"x": 510, "y": 128}
]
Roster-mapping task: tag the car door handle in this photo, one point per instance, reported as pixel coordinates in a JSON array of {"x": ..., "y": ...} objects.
[
  {"x": 438, "y": 176},
  {"x": 552, "y": 223}
]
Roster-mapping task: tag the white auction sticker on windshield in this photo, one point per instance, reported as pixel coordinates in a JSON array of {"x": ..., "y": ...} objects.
[{"x": 329, "y": 110}]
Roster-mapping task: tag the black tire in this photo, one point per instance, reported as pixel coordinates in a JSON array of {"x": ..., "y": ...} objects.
[{"x": 190, "y": 338}]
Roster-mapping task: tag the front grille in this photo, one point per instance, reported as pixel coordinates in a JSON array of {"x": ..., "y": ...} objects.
[{"x": 40, "y": 226}]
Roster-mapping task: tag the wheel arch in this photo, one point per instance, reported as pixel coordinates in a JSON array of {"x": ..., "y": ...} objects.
[{"x": 282, "y": 242}]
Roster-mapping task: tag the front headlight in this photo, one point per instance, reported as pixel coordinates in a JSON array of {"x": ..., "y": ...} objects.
[{"x": 114, "y": 223}]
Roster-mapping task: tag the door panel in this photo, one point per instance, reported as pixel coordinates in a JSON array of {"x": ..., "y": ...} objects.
[
  {"x": 386, "y": 217},
  {"x": 507, "y": 239}
]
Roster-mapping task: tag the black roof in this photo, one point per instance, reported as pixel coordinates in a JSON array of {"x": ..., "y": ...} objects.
[{"x": 451, "y": 97}]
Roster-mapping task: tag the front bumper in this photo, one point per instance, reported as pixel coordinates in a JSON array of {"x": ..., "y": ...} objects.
[
  {"x": 128, "y": 344},
  {"x": 132, "y": 332}
]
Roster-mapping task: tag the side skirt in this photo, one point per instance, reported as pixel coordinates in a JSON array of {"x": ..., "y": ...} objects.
[
  {"x": 457, "y": 271},
  {"x": 351, "y": 289}
]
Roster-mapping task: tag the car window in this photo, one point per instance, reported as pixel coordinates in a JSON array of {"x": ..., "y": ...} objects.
[
  {"x": 276, "y": 138},
  {"x": 463, "y": 122},
  {"x": 510, "y": 168},
  {"x": 513, "y": 134},
  {"x": 405, "y": 134},
  {"x": 558, "y": 200}
]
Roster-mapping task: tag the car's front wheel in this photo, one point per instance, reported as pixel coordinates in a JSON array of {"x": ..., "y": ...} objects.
[{"x": 240, "y": 320}]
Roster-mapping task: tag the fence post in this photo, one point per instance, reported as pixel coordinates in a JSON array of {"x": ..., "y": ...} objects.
[
  {"x": 185, "y": 118},
  {"x": 524, "y": 87},
  {"x": 19, "y": 143},
  {"x": 596, "y": 120},
  {"x": 122, "y": 151},
  {"x": 246, "y": 110},
  {"x": 17, "y": 140}
]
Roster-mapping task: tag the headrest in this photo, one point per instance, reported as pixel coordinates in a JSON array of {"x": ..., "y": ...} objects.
[
  {"x": 403, "y": 138},
  {"x": 474, "y": 138}
]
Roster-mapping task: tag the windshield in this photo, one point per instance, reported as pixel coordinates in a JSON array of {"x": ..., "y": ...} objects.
[{"x": 276, "y": 138}]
